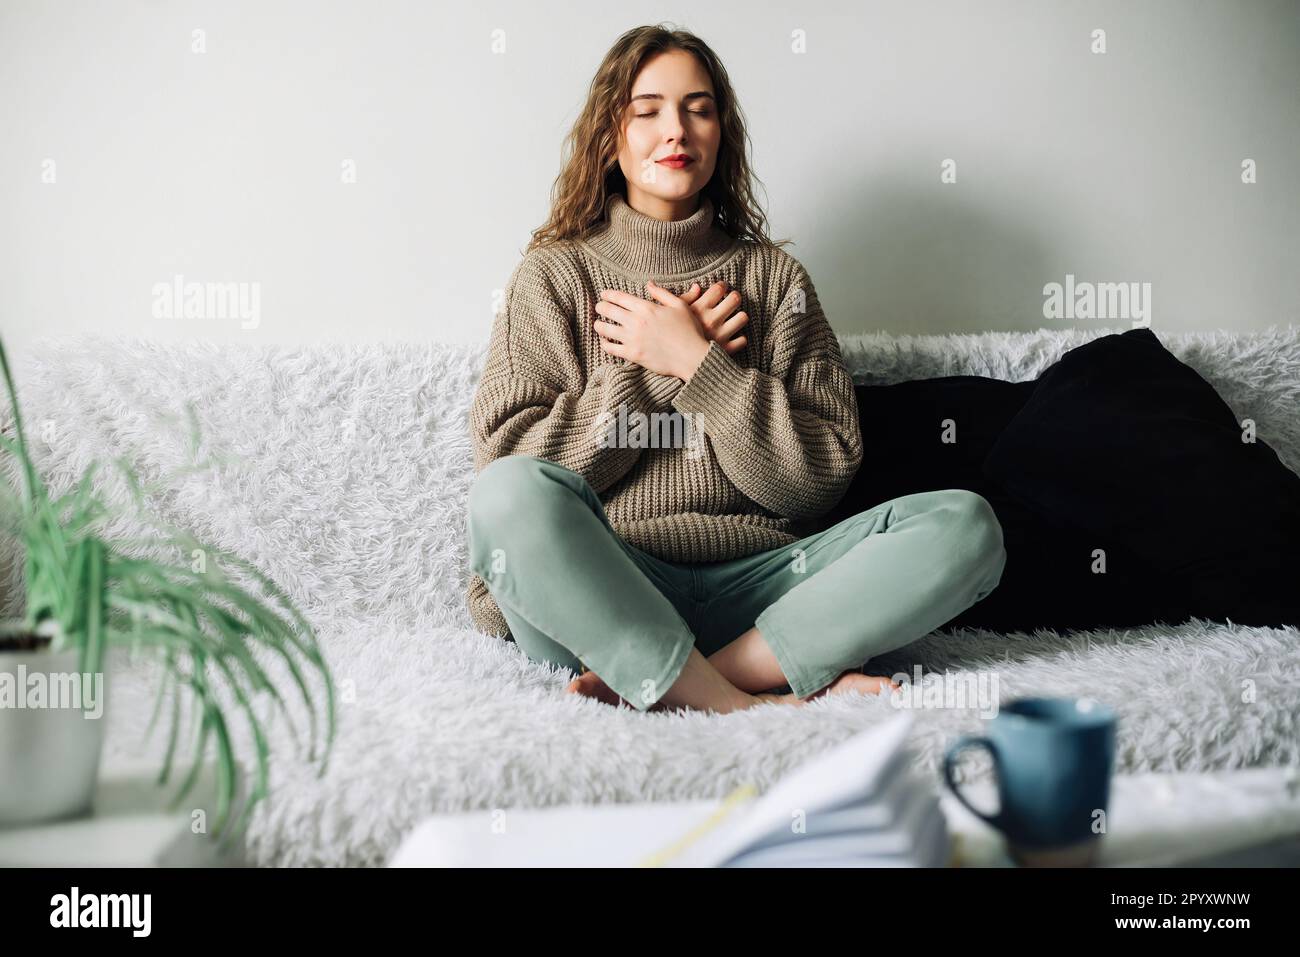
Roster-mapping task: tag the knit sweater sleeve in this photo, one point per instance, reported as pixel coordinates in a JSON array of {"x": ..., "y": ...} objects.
[
  {"x": 536, "y": 398},
  {"x": 788, "y": 439}
]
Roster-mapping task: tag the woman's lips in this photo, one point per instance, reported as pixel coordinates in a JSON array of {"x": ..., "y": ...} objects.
[{"x": 677, "y": 163}]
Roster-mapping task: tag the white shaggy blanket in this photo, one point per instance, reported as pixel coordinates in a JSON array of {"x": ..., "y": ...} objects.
[{"x": 350, "y": 488}]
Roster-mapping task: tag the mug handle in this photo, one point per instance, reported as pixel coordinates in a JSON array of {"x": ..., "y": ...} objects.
[{"x": 950, "y": 762}]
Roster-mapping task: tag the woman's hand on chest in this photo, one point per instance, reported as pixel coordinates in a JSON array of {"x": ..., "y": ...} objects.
[
  {"x": 669, "y": 334},
  {"x": 660, "y": 334}
]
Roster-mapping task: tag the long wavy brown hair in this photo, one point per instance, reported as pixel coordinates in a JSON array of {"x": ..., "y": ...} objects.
[{"x": 591, "y": 172}]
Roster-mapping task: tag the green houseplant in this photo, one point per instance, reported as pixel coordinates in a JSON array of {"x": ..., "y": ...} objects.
[{"x": 85, "y": 594}]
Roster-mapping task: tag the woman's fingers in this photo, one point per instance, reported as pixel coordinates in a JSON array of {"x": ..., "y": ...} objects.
[
  {"x": 722, "y": 332},
  {"x": 718, "y": 301},
  {"x": 713, "y": 295},
  {"x": 716, "y": 311},
  {"x": 734, "y": 345},
  {"x": 725, "y": 308},
  {"x": 733, "y": 325},
  {"x": 613, "y": 348},
  {"x": 606, "y": 330},
  {"x": 614, "y": 303},
  {"x": 609, "y": 310}
]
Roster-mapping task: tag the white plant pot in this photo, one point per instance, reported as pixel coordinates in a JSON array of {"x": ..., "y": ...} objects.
[{"x": 49, "y": 754}]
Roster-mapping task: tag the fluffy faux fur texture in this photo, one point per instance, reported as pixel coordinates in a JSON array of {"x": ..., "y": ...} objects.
[{"x": 347, "y": 481}]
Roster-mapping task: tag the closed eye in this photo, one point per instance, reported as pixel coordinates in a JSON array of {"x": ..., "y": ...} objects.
[{"x": 696, "y": 112}]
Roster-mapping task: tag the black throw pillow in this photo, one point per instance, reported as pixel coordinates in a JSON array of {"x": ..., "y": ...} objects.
[
  {"x": 1062, "y": 577},
  {"x": 1125, "y": 442},
  {"x": 927, "y": 434},
  {"x": 930, "y": 434}
]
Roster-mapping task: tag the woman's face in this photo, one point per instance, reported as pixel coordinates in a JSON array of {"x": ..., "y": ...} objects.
[{"x": 671, "y": 112}]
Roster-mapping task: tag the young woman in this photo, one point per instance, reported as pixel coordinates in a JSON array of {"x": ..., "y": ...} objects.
[{"x": 687, "y": 574}]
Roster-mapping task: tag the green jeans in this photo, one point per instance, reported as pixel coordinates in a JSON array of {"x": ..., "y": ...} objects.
[{"x": 575, "y": 593}]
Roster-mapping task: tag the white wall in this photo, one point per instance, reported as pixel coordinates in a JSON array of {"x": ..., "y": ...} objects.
[{"x": 225, "y": 166}]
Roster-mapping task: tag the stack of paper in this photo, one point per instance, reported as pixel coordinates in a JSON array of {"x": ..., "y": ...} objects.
[{"x": 858, "y": 804}]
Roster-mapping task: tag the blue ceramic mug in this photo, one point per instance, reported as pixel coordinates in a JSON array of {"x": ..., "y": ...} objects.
[{"x": 1052, "y": 758}]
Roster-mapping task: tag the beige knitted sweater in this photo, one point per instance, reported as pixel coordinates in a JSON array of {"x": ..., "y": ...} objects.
[{"x": 779, "y": 418}]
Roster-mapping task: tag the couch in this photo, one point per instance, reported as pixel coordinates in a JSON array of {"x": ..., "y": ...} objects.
[{"x": 345, "y": 475}]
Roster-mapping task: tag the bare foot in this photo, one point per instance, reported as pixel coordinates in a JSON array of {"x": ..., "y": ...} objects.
[
  {"x": 849, "y": 681},
  {"x": 767, "y": 697},
  {"x": 856, "y": 681},
  {"x": 590, "y": 685}
]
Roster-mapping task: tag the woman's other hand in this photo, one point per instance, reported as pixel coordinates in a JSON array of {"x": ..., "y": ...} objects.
[{"x": 718, "y": 313}]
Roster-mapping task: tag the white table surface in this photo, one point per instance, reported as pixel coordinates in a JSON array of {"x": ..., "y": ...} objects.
[
  {"x": 129, "y": 827},
  {"x": 1153, "y": 820},
  {"x": 1156, "y": 819}
]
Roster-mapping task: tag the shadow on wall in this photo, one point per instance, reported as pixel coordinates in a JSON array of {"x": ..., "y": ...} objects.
[{"x": 907, "y": 260}]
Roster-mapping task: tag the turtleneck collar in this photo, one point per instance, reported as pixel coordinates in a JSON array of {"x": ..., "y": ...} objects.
[{"x": 644, "y": 246}]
